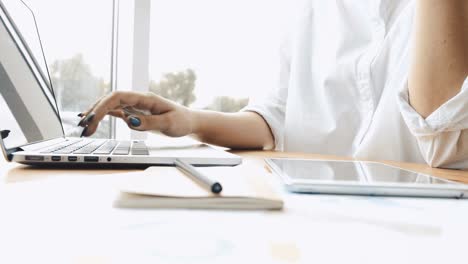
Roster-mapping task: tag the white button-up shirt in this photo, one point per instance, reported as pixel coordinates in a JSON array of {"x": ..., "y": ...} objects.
[{"x": 342, "y": 89}]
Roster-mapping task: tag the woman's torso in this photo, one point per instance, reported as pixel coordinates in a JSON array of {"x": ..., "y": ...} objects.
[{"x": 348, "y": 61}]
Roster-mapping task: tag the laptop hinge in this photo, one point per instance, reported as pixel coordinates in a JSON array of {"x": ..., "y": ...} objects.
[{"x": 7, "y": 153}]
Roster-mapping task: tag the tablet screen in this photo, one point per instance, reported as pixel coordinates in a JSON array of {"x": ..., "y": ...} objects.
[{"x": 301, "y": 170}]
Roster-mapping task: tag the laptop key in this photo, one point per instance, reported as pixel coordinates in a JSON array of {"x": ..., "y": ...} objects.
[
  {"x": 139, "y": 148},
  {"x": 77, "y": 146},
  {"x": 90, "y": 148},
  {"x": 122, "y": 149},
  {"x": 71, "y": 148},
  {"x": 106, "y": 148},
  {"x": 59, "y": 146}
]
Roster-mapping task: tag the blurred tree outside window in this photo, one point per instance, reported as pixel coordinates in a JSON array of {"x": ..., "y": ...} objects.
[
  {"x": 180, "y": 87},
  {"x": 70, "y": 77},
  {"x": 215, "y": 54},
  {"x": 176, "y": 86}
]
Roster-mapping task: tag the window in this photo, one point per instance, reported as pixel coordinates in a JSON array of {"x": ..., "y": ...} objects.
[
  {"x": 206, "y": 54},
  {"x": 76, "y": 36},
  {"x": 214, "y": 54}
]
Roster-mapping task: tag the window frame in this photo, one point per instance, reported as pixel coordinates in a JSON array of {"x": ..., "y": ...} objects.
[{"x": 137, "y": 38}]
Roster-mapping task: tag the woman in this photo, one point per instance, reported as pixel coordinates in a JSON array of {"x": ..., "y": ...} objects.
[{"x": 369, "y": 79}]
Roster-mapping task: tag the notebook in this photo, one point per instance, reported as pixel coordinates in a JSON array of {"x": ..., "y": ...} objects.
[{"x": 168, "y": 187}]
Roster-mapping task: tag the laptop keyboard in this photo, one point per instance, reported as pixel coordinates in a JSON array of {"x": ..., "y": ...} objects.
[
  {"x": 88, "y": 148},
  {"x": 60, "y": 146},
  {"x": 98, "y": 146},
  {"x": 107, "y": 147},
  {"x": 123, "y": 148}
]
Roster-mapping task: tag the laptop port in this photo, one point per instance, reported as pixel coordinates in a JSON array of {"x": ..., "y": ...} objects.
[
  {"x": 56, "y": 158},
  {"x": 72, "y": 158},
  {"x": 91, "y": 159},
  {"x": 35, "y": 158}
]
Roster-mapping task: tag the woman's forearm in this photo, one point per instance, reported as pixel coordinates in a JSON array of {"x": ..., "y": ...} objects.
[
  {"x": 244, "y": 130},
  {"x": 439, "y": 53}
]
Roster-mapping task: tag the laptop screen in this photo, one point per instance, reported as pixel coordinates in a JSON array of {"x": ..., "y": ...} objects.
[{"x": 27, "y": 105}]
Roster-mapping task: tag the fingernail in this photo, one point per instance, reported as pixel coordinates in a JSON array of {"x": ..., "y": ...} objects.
[
  {"x": 135, "y": 121},
  {"x": 80, "y": 115},
  {"x": 89, "y": 117},
  {"x": 81, "y": 121},
  {"x": 84, "y": 131},
  {"x": 84, "y": 121}
]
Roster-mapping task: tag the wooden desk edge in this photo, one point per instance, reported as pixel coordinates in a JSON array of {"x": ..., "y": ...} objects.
[{"x": 454, "y": 175}]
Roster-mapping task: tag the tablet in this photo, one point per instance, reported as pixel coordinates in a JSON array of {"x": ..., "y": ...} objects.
[{"x": 361, "y": 178}]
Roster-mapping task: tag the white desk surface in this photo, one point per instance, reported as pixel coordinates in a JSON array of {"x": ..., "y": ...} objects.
[{"x": 59, "y": 216}]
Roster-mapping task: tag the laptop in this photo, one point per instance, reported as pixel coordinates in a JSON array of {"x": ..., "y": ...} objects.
[{"x": 32, "y": 131}]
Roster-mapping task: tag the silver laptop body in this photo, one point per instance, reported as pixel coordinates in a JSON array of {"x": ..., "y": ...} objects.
[{"x": 32, "y": 131}]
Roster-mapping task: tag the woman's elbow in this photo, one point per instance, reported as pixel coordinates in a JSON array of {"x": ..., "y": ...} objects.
[{"x": 448, "y": 150}]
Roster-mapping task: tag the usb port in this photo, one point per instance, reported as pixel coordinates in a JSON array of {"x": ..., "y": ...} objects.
[
  {"x": 56, "y": 158},
  {"x": 35, "y": 158},
  {"x": 91, "y": 159},
  {"x": 72, "y": 158}
]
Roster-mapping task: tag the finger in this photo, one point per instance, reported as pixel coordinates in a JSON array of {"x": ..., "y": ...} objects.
[
  {"x": 111, "y": 103},
  {"x": 85, "y": 113},
  {"x": 86, "y": 119},
  {"x": 148, "y": 122},
  {"x": 117, "y": 100},
  {"x": 118, "y": 113},
  {"x": 114, "y": 101}
]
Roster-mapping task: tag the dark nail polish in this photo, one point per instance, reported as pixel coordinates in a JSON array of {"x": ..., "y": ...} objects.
[
  {"x": 89, "y": 118},
  {"x": 81, "y": 121},
  {"x": 84, "y": 121},
  {"x": 135, "y": 121},
  {"x": 80, "y": 115},
  {"x": 84, "y": 132}
]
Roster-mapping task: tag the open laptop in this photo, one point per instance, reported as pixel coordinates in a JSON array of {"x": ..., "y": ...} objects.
[{"x": 31, "y": 128}]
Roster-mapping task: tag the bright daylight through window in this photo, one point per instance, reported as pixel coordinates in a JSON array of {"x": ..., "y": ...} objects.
[
  {"x": 204, "y": 54},
  {"x": 215, "y": 54},
  {"x": 76, "y": 36}
]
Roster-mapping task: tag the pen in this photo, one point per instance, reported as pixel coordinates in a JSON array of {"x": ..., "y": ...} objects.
[{"x": 213, "y": 186}]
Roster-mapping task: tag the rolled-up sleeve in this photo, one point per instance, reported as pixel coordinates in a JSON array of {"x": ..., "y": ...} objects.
[
  {"x": 442, "y": 136},
  {"x": 272, "y": 110},
  {"x": 272, "y": 107}
]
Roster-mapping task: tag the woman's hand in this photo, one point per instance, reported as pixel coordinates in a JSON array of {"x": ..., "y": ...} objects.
[
  {"x": 163, "y": 115},
  {"x": 232, "y": 130}
]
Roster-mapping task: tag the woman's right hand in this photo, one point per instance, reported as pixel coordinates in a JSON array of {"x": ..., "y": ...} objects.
[{"x": 168, "y": 117}]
